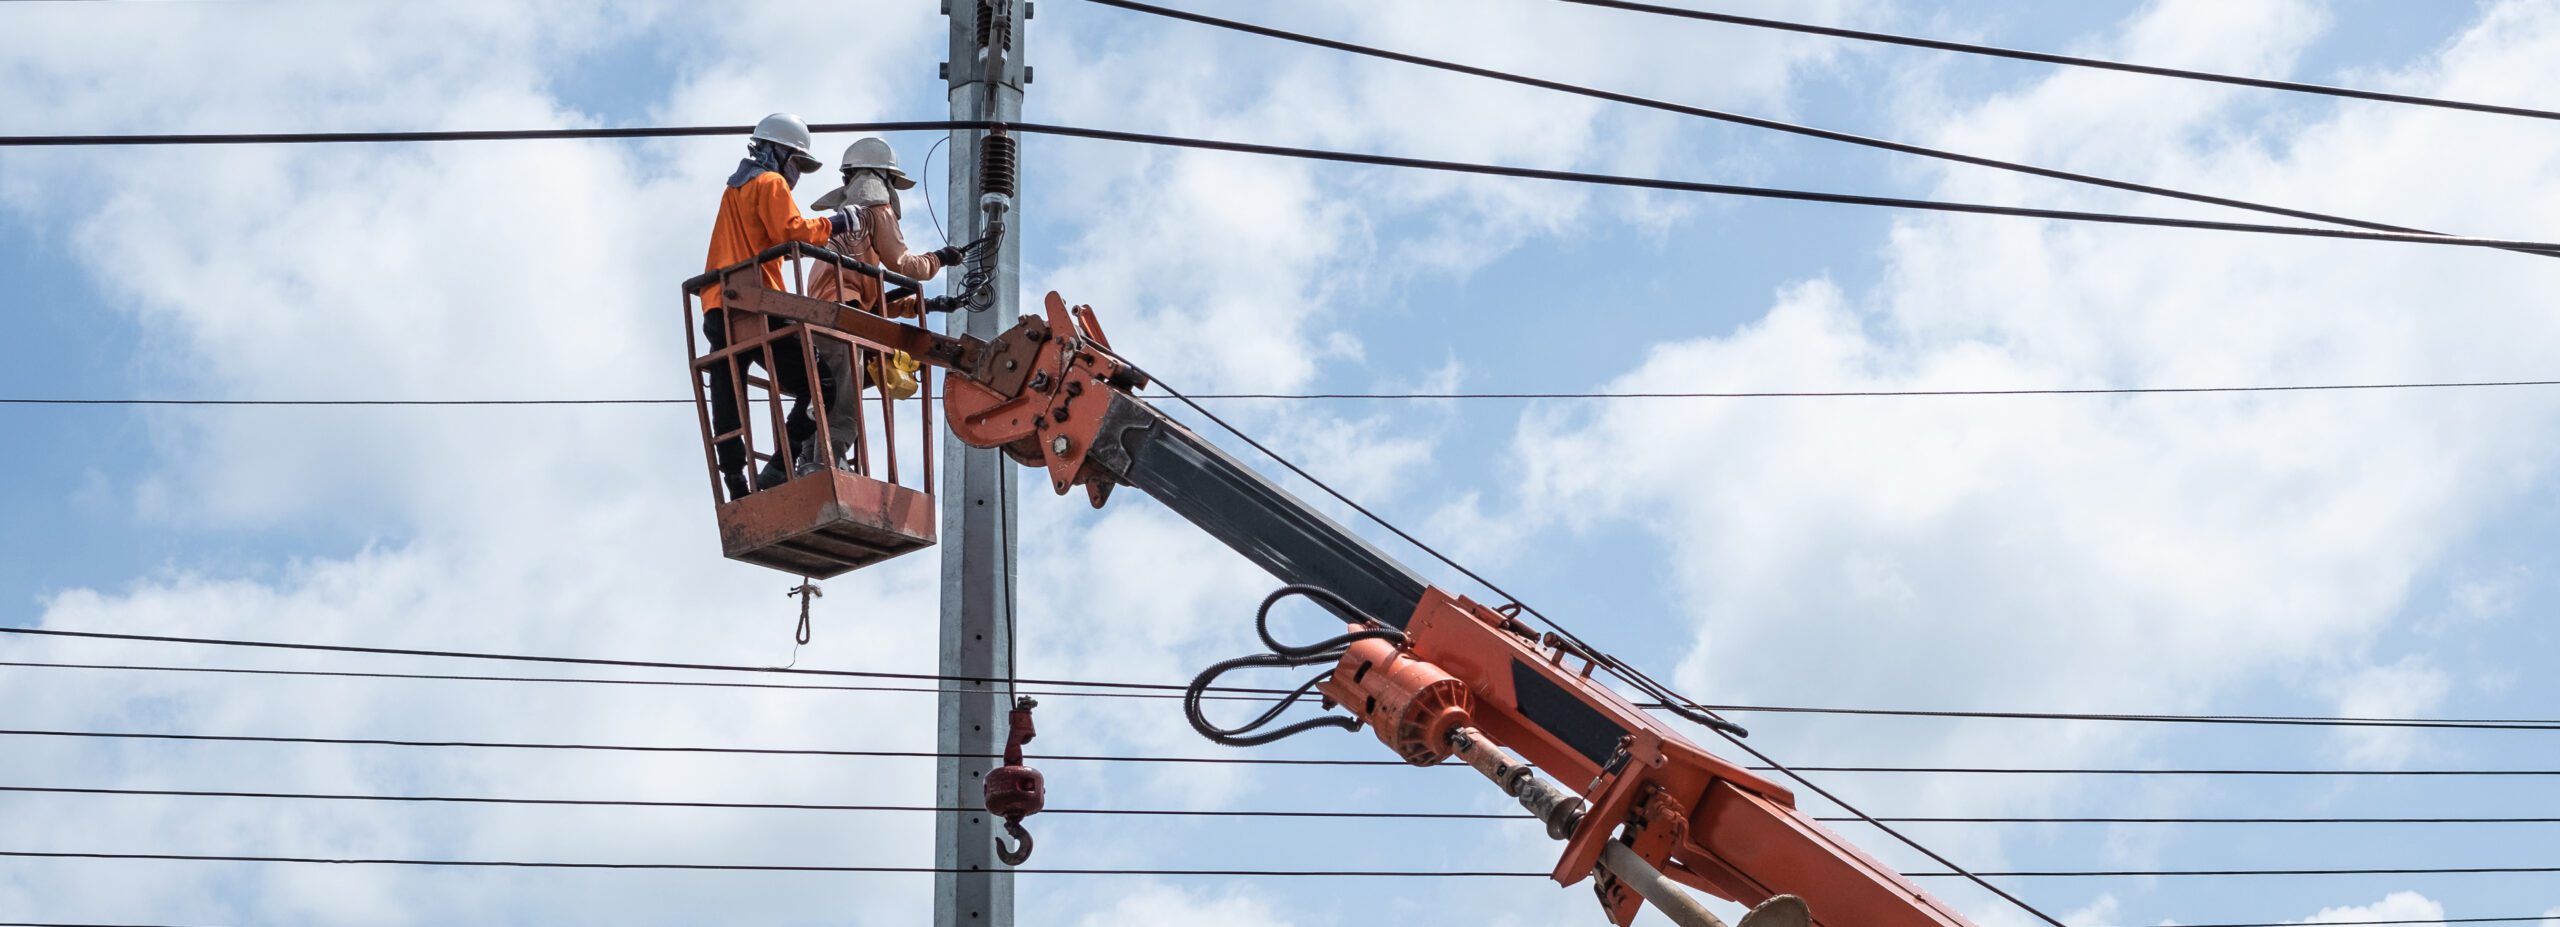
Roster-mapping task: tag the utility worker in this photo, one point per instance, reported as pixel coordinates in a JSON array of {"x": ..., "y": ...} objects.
[
  {"x": 756, "y": 212},
  {"x": 866, "y": 211}
]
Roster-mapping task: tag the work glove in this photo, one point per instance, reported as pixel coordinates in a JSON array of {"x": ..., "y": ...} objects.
[
  {"x": 974, "y": 251},
  {"x": 839, "y": 222},
  {"x": 949, "y": 255}
]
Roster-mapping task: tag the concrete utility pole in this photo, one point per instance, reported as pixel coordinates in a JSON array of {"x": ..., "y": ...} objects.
[{"x": 986, "y": 76}]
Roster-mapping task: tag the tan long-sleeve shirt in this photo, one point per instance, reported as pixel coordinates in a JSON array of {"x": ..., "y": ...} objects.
[{"x": 875, "y": 240}]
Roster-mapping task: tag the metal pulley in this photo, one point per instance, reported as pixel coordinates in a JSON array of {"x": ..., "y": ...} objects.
[{"x": 1015, "y": 791}]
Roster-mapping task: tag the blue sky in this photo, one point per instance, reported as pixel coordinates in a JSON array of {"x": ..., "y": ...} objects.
[{"x": 2346, "y": 553}]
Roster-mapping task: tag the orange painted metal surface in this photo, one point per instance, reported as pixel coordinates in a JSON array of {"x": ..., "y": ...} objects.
[
  {"x": 1040, "y": 393},
  {"x": 826, "y": 523},
  {"x": 876, "y": 503},
  {"x": 1411, "y": 704},
  {"x": 1700, "y": 819}
]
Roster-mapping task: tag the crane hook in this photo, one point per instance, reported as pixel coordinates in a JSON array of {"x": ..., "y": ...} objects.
[
  {"x": 1014, "y": 855},
  {"x": 1015, "y": 790}
]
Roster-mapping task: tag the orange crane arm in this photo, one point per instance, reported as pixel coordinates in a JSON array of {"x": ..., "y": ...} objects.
[{"x": 1434, "y": 674}]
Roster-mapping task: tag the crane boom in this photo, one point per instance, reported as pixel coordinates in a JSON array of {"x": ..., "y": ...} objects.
[{"x": 1434, "y": 674}]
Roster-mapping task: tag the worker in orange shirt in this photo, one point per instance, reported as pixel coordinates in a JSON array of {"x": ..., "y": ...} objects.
[
  {"x": 757, "y": 212},
  {"x": 866, "y": 212}
]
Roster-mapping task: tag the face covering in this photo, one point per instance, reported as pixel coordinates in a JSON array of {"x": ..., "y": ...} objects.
[{"x": 762, "y": 156}]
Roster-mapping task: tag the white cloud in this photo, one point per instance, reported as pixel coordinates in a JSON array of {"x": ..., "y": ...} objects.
[
  {"x": 2104, "y": 912},
  {"x": 2098, "y": 554},
  {"x": 2397, "y": 906},
  {"x": 2408, "y": 688},
  {"x": 1154, "y": 904},
  {"x": 2091, "y": 553},
  {"x": 546, "y": 269}
]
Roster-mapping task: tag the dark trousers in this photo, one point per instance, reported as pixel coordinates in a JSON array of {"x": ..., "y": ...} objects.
[{"x": 790, "y": 374}]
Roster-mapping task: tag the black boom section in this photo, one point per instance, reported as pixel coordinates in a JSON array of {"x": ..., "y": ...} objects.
[
  {"x": 1564, "y": 714},
  {"x": 1142, "y": 448}
]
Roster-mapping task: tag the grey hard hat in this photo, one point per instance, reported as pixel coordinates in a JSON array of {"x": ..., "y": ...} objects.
[
  {"x": 873, "y": 152},
  {"x": 787, "y": 131}
]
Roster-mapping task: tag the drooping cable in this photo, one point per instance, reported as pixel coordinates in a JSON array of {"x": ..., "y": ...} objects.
[
  {"x": 1755, "y": 121},
  {"x": 1283, "y": 655},
  {"x": 939, "y": 234},
  {"x": 1971, "y": 48}
]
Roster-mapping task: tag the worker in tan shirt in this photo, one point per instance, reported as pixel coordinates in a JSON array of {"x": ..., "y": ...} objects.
[{"x": 866, "y": 211}]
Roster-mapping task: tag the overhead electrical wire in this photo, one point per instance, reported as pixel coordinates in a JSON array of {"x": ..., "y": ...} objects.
[
  {"x": 1752, "y": 121},
  {"x": 1265, "y": 695},
  {"x": 1176, "y": 812},
  {"x": 1971, "y": 48},
  {"x": 2422, "y": 237},
  {"x": 575, "y": 661},
  {"x": 1317, "y": 154},
  {"x": 599, "y": 680},
  {"x": 1228, "y": 873},
  {"x": 1244, "y": 760},
  {"x": 1409, "y": 396}
]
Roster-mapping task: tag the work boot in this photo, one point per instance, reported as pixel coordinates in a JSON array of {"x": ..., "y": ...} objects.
[
  {"x": 736, "y": 481},
  {"x": 771, "y": 476},
  {"x": 805, "y": 459}
]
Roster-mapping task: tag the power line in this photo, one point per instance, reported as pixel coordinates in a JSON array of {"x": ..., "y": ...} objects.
[
  {"x": 592, "y": 680},
  {"x": 1317, "y": 154},
  {"x": 2478, "y": 724},
  {"x": 755, "y": 806},
  {"x": 646, "y": 748},
  {"x": 1228, "y": 873},
  {"x": 1163, "y": 690},
  {"x": 1410, "y": 396},
  {"x": 1186, "y": 812},
  {"x": 1752, "y": 121},
  {"x": 1255, "y": 760},
  {"x": 586, "y": 661},
  {"x": 2070, "y": 61}
]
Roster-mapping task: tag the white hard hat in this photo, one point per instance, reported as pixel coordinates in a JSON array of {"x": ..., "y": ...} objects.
[
  {"x": 873, "y": 152},
  {"x": 788, "y": 131}
]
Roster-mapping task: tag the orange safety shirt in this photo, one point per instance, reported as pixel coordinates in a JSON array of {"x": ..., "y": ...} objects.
[{"x": 756, "y": 215}]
